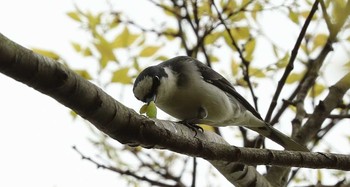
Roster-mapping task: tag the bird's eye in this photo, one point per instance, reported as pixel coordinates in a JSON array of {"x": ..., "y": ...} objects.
[{"x": 156, "y": 82}]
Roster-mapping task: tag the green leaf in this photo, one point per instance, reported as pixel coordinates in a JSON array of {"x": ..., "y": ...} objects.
[
  {"x": 74, "y": 15},
  {"x": 46, "y": 53},
  {"x": 124, "y": 39},
  {"x": 121, "y": 76},
  {"x": 151, "y": 110},
  {"x": 149, "y": 51}
]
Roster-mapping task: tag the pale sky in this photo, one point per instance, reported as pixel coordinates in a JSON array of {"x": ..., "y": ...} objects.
[{"x": 36, "y": 133}]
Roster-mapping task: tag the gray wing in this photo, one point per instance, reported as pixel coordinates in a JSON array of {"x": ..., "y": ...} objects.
[{"x": 219, "y": 81}]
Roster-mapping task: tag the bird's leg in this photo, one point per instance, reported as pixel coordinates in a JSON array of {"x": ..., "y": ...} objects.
[{"x": 192, "y": 123}]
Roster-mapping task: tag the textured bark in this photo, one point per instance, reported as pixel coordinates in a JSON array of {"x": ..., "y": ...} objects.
[{"x": 126, "y": 126}]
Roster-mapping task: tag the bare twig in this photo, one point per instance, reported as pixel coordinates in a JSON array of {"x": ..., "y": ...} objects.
[
  {"x": 290, "y": 65},
  {"x": 194, "y": 172},
  {"x": 326, "y": 16},
  {"x": 126, "y": 172},
  {"x": 240, "y": 52}
]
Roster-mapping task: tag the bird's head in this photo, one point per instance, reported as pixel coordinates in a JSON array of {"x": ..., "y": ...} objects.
[{"x": 147, "y": 83}]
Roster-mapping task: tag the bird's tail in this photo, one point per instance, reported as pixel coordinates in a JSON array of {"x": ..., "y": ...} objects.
[{"x": 271, "y": 133}]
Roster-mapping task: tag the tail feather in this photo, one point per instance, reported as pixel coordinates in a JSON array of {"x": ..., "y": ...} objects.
[{"x": 273, "y": 134}]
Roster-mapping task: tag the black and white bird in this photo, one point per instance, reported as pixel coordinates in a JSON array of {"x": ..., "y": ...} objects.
[{"x": 192, "y": 92}]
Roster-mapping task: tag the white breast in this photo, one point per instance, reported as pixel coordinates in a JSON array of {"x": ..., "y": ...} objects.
[{"x": 184, "y": 102}]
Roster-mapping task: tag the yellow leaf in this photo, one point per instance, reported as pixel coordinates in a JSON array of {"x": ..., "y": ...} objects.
[
  {"x": 149, "y": 51},
  {"x": 204, "y": 9},
  {"x": 257, "y": 8},
  {"x": 282, "y": 63},
  {"x": 121, "y": 76},
  {"x": 47, "y": 53},
  {"x": 124, "y": 39},
  {"x": 240, "y": 33},
  {"x": 256, "y": 72},
  {"x": 213, "y": 59},
  {"x": 207, "y": 127},
  {"x": 211, "y": 38},
  {"x": 319, "y": 175},
  {"x": 305, "y": 14},
  {"x": 168, "y": 10},
  {"x": 84, "y": 74},
  {"x": 143, "y": 109},
  {"x": 238, "y": 16},
  {"x": 74, "y": 15},
  {"x": 76, "y": 46},
  {"x": 293, "y": 77},
  {"x": 293, "y": 16},
  {"x": 170, "y": 33},
  {"x": 316, "y": 90},
  {"x": 249, "y": 50},
  {"x": 106, "y": 51},
  {"x": 162, "y": 58},
  {"x": 73, "y": 114},
  {"x": 87, "y": 52},
  {"x": 320, "y": 40},
  {"x": 93, "y": 20},
  {"x": 234, "y": 67}
]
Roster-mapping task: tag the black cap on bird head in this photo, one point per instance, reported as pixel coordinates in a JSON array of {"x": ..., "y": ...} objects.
[{"x": 147, "y": 82}]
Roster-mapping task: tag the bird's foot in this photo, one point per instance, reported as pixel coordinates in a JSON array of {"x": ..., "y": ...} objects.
[{"x": 193, "y": 126}]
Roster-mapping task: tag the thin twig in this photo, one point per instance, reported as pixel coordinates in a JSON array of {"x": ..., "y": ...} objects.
[
  {"x": 194, "y": 172},
  {"x": 326, "y": 16},
  {"x": 240, "y": 52},
  {"x": 124, "y": 172},
  {"x": 290, "y": 65}
]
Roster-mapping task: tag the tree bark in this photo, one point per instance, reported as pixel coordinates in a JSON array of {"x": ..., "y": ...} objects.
[{"x": 126, "y": 126}]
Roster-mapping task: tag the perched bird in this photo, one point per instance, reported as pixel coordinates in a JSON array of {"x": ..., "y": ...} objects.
[{"x": 192, "y": 92}]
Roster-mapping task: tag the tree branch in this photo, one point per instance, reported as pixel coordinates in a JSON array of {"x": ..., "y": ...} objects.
[
  {"x": 126, "y": 172},
  {"x": 290, "y": 65},
  {"x": 128, "y": 127},
  {"x": 240, "y": 52}
]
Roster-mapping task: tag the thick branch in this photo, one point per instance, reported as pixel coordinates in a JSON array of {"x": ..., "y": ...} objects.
[
  {"x": 323, "y": 109},
  {"x": 128, "y": 127}
]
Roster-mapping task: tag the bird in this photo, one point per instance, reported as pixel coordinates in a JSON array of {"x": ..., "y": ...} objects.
[{"x": 194, "y": 93}]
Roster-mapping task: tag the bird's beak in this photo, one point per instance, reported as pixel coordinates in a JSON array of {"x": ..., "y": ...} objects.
[{"x": 153, "y": 98}]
